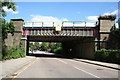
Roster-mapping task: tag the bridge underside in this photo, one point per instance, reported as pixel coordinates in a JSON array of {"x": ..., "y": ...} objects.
[
  {"x": 73, "y": 46},
  {"x": 56, "y": 38}
]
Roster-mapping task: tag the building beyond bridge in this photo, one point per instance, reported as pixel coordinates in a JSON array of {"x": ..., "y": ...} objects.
[{"x": 78, "y": 38}]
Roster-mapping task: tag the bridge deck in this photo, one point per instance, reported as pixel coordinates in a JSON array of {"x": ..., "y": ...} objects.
[{"x": 67, "y": 28}]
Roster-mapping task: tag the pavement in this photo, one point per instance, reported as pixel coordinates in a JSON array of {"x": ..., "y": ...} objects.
[
  {"x": 13, "y": 65},
  {"x": 104, "y": 64}
]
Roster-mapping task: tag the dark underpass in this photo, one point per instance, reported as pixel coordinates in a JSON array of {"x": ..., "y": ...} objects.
[{"x": 72, "y": 47}]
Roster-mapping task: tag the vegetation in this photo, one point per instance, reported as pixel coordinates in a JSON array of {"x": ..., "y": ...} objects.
[
  {"x": 112, "y": 56},
  {"x": 34, "y": 46},
  {"x": 111, "y": 17},
  {"x": 13, "y": 53},
  {"x": 45, "y": 46},
  {"x": 58, "y": 50},
  {"x": 114, "y": 39},
  {"x": 7, "y": 28},
  {"x": 9, "y": 5}
]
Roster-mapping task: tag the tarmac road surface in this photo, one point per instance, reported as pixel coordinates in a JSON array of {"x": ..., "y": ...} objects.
[{"x": 52, "y": 66}]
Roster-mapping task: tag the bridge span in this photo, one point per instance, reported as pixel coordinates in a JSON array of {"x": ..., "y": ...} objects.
[
  {"x": 76, "y": 36},
  {"x": 39, "y": 31}
]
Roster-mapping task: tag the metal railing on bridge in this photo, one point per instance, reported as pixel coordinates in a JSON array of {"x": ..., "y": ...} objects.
[
  {"x": 62, "y": 23},
  {"x": 68, "y": 28}
]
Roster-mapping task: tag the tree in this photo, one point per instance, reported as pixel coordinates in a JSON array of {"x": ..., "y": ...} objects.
[
  {"x": 6, "y": 27},
  {"x": 36, "y": 45},
  {"x": 50, "y": 47},
  {"x": 55, "y": 45},
  {"x": 44, "y": 46},
  {"x": 9, "y": 5},
  {"x": 31, "y": 46}
]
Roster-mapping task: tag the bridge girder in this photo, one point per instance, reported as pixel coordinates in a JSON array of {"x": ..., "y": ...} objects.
[{"x": 56, "y": 38}]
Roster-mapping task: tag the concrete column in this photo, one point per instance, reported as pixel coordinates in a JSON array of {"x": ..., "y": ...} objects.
[
  {"x": 14, "y": 40},
  {"x": 27, "y": 48},
  {"x": 83, "y": 48},
  {"x": 23, "y": 43},
  {"x": 86, "y": 48},
  {"x": 89, "y": 50},
  {"x": 67, "y": 49},
  {"x": 18, "y": 23},
  {"x": 70, "y": 48},
  {"x": 106, "y": 24}
]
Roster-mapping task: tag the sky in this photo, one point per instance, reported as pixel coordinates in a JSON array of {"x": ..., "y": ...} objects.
[{"x": 61, "y": 11}]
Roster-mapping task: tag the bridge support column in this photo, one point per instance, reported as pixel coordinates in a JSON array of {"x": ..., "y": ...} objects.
[
  {"x": 86, "y": 49},
  {"x": 14, "y": 40},
  {"x": 83, "y": 48},
  {"x": 27, "y": 47},
  {"x": 23, "y": 43},
  {"x": 69, "y": 48},
  {"x": 106, "y": 25}
]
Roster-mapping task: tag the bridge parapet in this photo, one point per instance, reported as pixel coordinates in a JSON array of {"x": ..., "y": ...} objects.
[{"x": 61, "y": 23}]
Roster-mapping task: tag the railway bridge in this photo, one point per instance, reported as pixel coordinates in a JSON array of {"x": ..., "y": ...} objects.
[{"x": 77, "y": 37}]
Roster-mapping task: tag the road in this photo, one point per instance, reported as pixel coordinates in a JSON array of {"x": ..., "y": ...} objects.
[{"x": 51, "y": 66}]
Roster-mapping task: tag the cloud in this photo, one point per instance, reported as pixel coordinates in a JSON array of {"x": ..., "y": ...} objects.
[
  {"x": 116, "y": 24},
  {"x": 39, "y": 18},
  {"x": 95, "y": 18},
  {"x": 48, "y": 20},
  {"x": 10, "y": 10},
  {"x": 115, "y": 12}
]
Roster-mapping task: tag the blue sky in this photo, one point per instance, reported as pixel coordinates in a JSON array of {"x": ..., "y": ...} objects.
[{"x": 61, "y": 11}]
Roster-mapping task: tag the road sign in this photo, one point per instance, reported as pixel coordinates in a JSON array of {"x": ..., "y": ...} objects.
[{"x": 58, "y": 28}]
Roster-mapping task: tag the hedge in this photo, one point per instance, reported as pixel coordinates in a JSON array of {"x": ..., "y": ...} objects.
[
  {"x": 112, "y": 56},
  {"x": 13, "y": 53}
]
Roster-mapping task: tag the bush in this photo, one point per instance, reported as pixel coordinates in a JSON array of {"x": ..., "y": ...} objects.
[
  {"x": 108, "y": 55},
  {"x": 58, "y": 50},
  {"x": 14, "y": 53}
]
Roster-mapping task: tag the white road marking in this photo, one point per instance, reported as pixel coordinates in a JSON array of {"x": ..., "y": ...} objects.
[
  {"x": 86, "y": 72},
  {"x": 62, "y": 61},
  {"x": 80, "y": 69},
  {"x": 23, "y": 69}
]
